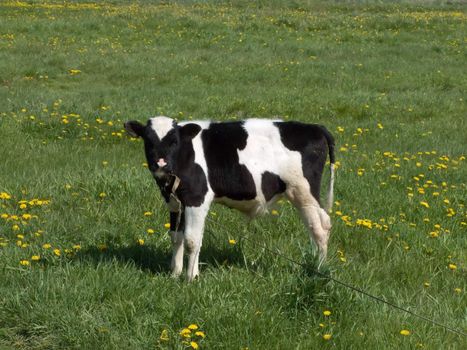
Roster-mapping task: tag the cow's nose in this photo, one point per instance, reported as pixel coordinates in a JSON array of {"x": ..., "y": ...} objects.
[{"x": 161, "y": 162}]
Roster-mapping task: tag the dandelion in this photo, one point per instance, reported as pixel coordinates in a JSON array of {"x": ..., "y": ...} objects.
[
  {"x": 405, "y": 332},
  {"x": 193, "y": 327},
  {"x": 457, "y": 290},
  {"x": 327, "y": 336},
  {"x": 424, "y": 204},
  {"x": 140, "y": 241},
  {"x": 200, "y": 334},
  {"x": 274, "y": 212},
  {"x": 4, "y": 195},
  {"x": 74, "y": 71},
  {"x": 15, "y": 228},
  {"x": 452, "y": 267},
  {"x": 232, "y": 241},
  {"x": 185, "y": 333},
  {"x": 24, "y": 262},
  {"x": 35, "y": 257},
  {"x": 164, "y": 335},
  {"x": 150, "y": 231},
  {"x": 46, "y": 246},
  {"x": 194, "y": 345},
  {"x": 326, "y": 313},
  {"x": 147, "y": 213},
  {"x": 102, "y": 195},
  {"x": 167, "y": 225},
  {"x": 57, "y": 252},
  {"x": 23, "y": 206}
]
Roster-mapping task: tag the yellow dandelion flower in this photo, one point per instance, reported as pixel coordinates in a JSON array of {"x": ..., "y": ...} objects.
[
  {"x": 452, "y": 267},
  {"x": 457, "y": 290},
  {"x": 150, "y": 231},
  {"x": 405, "y": 332},
  {"x": 4, "y": 216},
  {"x": 164, "y": 335},
  {"x": 327, "y": 336},
  {"x": 140, "y": 241},
  {"x": 232, "y": 241},
  {"x": 35, "y": 257},
  {"x": 424, "y": 204},
  {"x": 194, "y": 345},
  {"x": 274, "y": 212},
  {"x": 24, "y": 262},
  {"x": 57, "y": 252},
  {"x": 77, "y": 247},
  {"x": 102, "y": 195},
  {"x": 167, "y": 225},
  {"x": 46, "y": 246},
  {"x": 4, "y": 195},
  {"x": 147, "y": 213},
  {"x": 15, "y": 228},
  {"x": 202, "y": 335},
  {"x": 326, "y": 313},
  {"x": 185, "y": 333},
  {"x": 193, "y": 327},
  {"x": 23, "y": 206}
]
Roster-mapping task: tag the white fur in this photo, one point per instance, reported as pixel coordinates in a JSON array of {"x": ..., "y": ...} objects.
[{"x": 161, "y": 125}]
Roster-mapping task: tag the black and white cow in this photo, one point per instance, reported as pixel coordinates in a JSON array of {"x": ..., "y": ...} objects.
[{"x": 245, "y": 165}]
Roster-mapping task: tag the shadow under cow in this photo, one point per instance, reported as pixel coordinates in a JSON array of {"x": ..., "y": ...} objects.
[{"x": 156, "y": 259}]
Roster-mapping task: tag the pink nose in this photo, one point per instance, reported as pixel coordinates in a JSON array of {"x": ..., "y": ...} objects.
[{"x": 161, "y": 162}]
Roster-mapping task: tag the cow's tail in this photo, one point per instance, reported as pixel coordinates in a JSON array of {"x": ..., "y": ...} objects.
[{"x": 330, "y": 142}]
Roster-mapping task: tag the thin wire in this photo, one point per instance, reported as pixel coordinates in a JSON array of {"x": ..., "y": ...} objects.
[{"x": 279, "y": 253}]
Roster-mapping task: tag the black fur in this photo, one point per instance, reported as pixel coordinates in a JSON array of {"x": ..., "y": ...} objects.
[
  {"x": 271, "y": 184},
  {"x": 228, "y": 178},
  {"x": 313, "y": 142}
]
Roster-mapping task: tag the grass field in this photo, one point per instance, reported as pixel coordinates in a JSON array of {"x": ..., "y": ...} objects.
[{"x": 84, "y": 252}]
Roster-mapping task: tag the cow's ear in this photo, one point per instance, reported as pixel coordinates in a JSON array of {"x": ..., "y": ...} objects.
[
  {"x": 134, "y": 128},
  {"x": 189, "y": 130}
]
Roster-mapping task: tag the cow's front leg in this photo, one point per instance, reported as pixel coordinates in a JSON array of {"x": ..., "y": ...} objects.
[
  {"x": 194, "y": 228},
  {"x": 177, "y": 237}
]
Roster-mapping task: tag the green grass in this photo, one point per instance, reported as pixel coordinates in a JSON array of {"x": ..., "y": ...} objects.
[{"x": 71, "y": 75}]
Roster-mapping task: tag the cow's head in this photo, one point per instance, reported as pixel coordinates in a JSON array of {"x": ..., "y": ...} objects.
[{"x": 163, "y": 139}]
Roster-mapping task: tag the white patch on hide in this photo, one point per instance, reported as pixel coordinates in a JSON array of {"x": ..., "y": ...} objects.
[
  {"x": 266, "y": 152},
  {"x": 161, "y": 125}
]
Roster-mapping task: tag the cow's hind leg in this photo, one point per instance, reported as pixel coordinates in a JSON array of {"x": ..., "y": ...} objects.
[
  {"x": 194, "y": 228},
  {"x": 177, "y": 237},
  {"x": 315, "y": 218}
]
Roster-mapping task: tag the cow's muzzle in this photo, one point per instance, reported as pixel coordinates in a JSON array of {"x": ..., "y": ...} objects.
[{"x": 161, "y": 162}]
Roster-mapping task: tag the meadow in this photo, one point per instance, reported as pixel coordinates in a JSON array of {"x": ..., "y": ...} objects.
[{"x": 84, "y": 249}]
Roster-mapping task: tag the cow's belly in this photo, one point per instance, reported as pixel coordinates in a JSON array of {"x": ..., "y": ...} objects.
[{"x": 252, "y": 208}]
